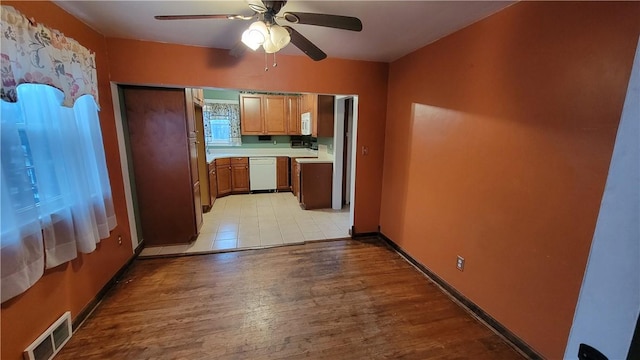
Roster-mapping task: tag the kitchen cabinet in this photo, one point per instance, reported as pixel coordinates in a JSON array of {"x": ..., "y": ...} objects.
[
  {"x": 240, "y": 175},
  {"x": 294, "y": 177},
  {"x": 275, "y": 114},
  {"x": 282, "y": 173},
  {"x": 265, "y": 114},
  {"x": 322, "y": 113},
  {"x": 322, "y": 123},
  {"x": 314, "y": 185},
  {"x": 232, "y": 176},
  {"x": 293, "y": 114},
  {"x": 251, "y": 114},
  {"x": 195, "y": 116},
  {"x": 213, "y": 186},
  {"x": 223, "y": 177},
  {"x": 163, "y": 156},
  {"x": 198, "y": 96}
]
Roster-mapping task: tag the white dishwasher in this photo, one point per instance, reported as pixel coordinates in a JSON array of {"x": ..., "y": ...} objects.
[{"x": 262, "y": 173}]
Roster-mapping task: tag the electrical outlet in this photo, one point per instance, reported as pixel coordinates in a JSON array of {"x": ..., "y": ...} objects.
[{"x": 460, "y": 263}]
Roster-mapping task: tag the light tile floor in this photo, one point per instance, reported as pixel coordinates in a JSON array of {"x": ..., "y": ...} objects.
[{"x": 260, "y": 220}]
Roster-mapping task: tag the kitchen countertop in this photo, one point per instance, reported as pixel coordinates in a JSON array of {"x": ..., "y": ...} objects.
[
  {"x": 213, "y": 154},
  {"x": 314, "y": 160}
]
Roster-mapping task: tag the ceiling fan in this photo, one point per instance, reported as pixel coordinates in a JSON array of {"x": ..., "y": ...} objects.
[{"x": 266, "y": 32}]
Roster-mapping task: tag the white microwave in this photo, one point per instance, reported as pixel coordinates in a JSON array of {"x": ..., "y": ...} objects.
[{"x": 305, "y": 123}]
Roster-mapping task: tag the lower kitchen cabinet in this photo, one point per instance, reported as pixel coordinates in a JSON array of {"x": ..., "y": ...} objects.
[
  {"x": 240, "y": 175},
  {"x": 315, "y": 185},
  {"x": 282, "y": 170},
  {"x": 232, "y": 176},
  {"x": 223, "y": 177},
  {"x": 295, "y": 183}
]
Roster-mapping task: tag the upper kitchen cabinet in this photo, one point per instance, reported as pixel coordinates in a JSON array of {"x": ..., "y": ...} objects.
[
  {"x": 321, "y": 109},
  {"x": 275, "y": 114},
  {"x": 322, "y": 124},
  {"x": 266, "y": 114},
  {"x": 293, "y": 114},
  {"x": 251, "y": 114}
]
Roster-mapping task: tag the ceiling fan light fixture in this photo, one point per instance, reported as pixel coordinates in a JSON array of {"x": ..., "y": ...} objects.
[
  {"x": 255, "y": 35},
  {"x": 269, "y": 46},
  {"x": 279, "y": 36}
]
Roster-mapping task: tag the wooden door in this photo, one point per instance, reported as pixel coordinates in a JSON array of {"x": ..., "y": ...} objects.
[
  {"x": 251, "y": 114},
  {"x": 275, "y": 114},
  {"x": 282, "y": 171},
  {"x": 293, "y": 115},
  {"x": 239, "y": 178},
  {"x": 157, "y": 127}
]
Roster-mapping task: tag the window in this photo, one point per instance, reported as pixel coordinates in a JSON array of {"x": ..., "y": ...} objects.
[
  {"x": 56, "y": 197},
  {"x": 221, "y": 123},
  {"x": 219, "y": 130}
]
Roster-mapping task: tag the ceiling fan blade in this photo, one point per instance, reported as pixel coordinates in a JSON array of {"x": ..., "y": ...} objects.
[
  {"x": 238, "y": 49},
  {"x": 203, "y": 16},
  {"x": 332, "y": 21},
  {"x": 305, "y": 45}
]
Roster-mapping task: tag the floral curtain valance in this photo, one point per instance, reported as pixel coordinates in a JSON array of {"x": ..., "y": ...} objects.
[{"x": 32, "y": 53}]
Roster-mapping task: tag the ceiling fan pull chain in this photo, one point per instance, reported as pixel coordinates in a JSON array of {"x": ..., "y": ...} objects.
[
  {"x": 274, "y": 60},
  {"x": 266, "y": 67}
]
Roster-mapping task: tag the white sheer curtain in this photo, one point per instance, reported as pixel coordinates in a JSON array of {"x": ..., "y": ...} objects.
[
  {"x": 22, "y": 260},
  {"x": 69, "y": 180}
]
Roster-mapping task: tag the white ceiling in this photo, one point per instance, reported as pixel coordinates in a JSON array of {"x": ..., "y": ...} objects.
[{"x": 391, "y": 29}]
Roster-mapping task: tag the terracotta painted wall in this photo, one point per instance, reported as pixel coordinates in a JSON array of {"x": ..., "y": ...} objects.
[
  {"x": 73, "y": 285},
  {"x": 498, "y": 144},
  {"x": 151, "y": 63}
]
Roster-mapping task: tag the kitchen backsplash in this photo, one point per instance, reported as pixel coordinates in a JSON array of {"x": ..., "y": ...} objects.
[
  {"x": 252, "y": 142},
  {"x": 281, "y": 142},
  {"x": 328, "y": 141}
]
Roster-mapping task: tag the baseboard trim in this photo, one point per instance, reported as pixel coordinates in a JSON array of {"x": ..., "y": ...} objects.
[
  {"x": 513, "y": 339},
  {"x": 91, "y": 306},
  {"x": 355, "y": 235}
]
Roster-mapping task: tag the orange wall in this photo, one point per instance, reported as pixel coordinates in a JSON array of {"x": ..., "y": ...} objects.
[
  {"x": 151, "y": 63},
  {"x": 73, "y": 285},
  {"x": 497, "y": 149}
]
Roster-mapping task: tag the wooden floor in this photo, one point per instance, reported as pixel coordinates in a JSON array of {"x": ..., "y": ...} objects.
[{"x": 342, "y": 299}]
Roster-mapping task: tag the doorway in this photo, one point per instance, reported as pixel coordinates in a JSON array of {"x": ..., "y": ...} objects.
[{"x": 220, "y": 222}]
